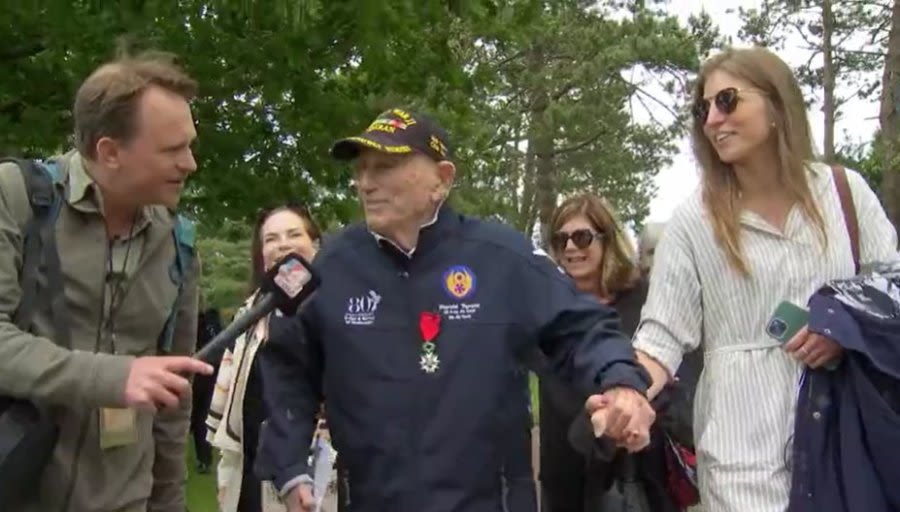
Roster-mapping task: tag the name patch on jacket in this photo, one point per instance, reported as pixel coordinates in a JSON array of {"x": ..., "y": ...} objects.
[{"x": 460, "y": 283}]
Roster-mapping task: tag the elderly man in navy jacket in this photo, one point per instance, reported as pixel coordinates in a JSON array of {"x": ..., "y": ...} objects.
[{"x": 416, "y": 336}]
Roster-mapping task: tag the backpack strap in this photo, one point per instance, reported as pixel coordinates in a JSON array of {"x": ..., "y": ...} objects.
[
  {"x": 39, "y": 250},
  {"x": 849, "y": 210},
  {"x": 183, "y": 235}
]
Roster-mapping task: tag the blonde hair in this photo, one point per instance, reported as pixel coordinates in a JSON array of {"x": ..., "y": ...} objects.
[
  {"x": 767, "y": 72},
  {"x": 618, "y": 271}
]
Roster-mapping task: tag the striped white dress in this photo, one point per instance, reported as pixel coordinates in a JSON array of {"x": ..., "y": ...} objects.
[{"x": 744, "y": 407}]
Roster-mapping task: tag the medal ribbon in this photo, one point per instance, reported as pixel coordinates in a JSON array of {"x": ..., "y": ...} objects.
[{"x": 429, "y": 328}]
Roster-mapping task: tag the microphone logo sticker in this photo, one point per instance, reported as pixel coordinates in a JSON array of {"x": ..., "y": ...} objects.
[{"x": 291, "y": 278}]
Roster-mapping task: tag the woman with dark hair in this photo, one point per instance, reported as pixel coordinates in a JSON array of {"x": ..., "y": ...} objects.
[{"x": 237, "y": 411}]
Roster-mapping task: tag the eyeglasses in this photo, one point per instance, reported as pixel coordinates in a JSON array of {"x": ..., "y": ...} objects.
[
  {"x": 580, "y": 237},
  {"x": 726, "y": 101}
]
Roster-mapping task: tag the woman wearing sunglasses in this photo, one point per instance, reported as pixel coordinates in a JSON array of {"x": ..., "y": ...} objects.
[
  {"x": 766, "y": 226},
  {"x": 589, "y": 244}
]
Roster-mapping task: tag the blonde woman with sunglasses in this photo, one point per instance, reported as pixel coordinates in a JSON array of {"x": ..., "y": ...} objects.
[
  {"x": 766, "y": 226},
  {"x": 589, "y": 244}
]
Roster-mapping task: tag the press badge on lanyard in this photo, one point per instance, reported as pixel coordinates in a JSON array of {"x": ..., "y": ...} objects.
[{"x": 118, "y": 427}]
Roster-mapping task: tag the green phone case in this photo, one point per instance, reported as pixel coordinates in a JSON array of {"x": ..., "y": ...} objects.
[{"x": 786, "y": 321}]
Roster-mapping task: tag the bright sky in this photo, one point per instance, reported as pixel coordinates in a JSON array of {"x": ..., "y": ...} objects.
[{"x": 678, "y": 181}]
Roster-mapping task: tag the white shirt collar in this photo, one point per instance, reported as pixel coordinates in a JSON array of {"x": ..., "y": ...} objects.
[{"x": 409, "y": 253}]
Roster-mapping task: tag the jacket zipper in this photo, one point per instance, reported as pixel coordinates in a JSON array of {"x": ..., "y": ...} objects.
[{"x": 417, "y": 401}]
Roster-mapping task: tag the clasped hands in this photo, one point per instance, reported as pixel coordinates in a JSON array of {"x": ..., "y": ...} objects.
[{"x": 623, "y": 415}]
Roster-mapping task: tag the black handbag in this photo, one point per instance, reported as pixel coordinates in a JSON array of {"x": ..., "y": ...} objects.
[
  {"x": 28, "y": 435},
  {"x": 627, "y": 493}
]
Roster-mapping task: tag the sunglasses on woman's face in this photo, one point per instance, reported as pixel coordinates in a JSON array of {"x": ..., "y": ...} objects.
[
  {"x": 726, "y": 101},
  {"x": 580, "y": 237}
]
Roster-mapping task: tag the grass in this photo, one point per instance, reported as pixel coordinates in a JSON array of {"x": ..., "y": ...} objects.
[{"x": 201, "y": 489}]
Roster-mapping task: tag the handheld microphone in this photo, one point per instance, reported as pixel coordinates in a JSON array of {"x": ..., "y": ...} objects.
[{"x": 285, "y": 287}]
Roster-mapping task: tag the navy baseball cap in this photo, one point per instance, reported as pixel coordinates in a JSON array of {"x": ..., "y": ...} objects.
[{"x": 400, "y": 132}]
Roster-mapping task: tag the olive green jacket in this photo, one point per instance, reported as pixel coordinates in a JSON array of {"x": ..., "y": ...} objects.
[{"x": 112, "y": 322}]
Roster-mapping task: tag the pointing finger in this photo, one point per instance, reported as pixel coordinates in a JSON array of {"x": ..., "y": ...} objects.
[{"x": 187, "y": 365}]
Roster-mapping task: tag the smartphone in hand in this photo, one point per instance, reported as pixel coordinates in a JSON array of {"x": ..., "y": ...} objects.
[{"x": 786, "y": 321}]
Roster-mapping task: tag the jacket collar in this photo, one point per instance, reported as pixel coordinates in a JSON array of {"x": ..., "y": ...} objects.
[
  {"x": 84, "y": 193},
  {"x": 443, "y": 217}
]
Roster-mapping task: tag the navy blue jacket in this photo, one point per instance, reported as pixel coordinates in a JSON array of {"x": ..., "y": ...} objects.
[
  {"x": 847, "y": 431},
  {"x": 520, "y": 488},
  {"x": 413, "y": 441}
]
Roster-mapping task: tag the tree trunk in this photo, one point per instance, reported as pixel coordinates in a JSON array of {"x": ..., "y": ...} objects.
[
  {"x": 516, "y": 175},
  {"x": 890, "y": 124},
  {"x": 828, "y": 108},
  {"x": 540, "y": 146},
  {"x": 527, "y": 209},
  {"x": 541, "y": 182},
  {"x": 546, "y": 177}
]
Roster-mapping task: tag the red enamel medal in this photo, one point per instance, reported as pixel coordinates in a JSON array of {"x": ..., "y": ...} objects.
[{"x": 429, "y": 328}]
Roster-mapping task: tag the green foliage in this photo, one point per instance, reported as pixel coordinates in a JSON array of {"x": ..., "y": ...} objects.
[
  {"x": 225, "y": 255},
  {"x": 707, "y": 35},
  {"x": 859, "y": 37},
  {"x": 852, "y": 40},
  {"x": 538, "y": 96},
  {"x": 555, "y": 114},
  {"x": 867, "y": 158},
  {"x": 871, "y": 160}
]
